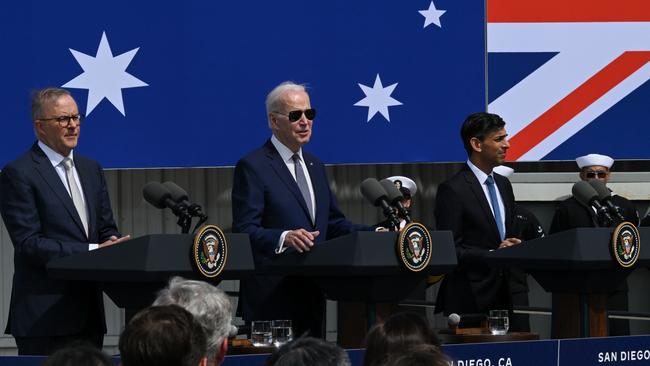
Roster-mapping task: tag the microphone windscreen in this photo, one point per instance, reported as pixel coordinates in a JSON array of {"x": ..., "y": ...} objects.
[
  {"x": 584, "y": 193},
  {"x": 453, "y": 319},
  {"x": 178, "y": 194},
  {"x": 372, "y": 191},
  {"x": 155, "y": 193},
  {"x": 601, "y": 189},
  {"x": 394, "y": 195}
]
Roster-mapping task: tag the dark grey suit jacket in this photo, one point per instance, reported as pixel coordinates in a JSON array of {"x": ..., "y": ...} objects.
[
  {"x": 43, "y": 224},
  {"x": 461, "y": 206}
]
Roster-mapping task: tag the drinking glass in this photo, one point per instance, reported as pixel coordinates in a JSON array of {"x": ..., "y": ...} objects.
[
  {"x": 261, "y": 333},
  {"x": 498, "y": 322},
  {"x": 281, "y": 332}
]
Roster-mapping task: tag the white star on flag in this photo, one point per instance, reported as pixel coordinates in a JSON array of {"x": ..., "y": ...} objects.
[
  {"x": 378, "y": 99},
  {"x": 432, "y": 15},
  {"x": 104, "y": 76}
]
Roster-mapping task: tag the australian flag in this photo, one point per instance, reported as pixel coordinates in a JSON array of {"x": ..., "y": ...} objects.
[{"x": 180, "y": 84}]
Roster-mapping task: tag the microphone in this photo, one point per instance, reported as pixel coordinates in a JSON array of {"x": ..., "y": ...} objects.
[
  {"x": 605, "y": 196},
  {"x": 375, "y": 194},
  {"x": 395, "y": 198},
  {"x": 453, "y": 320},
  {"x": 159, "y": 196},
  {"x": 465, "y": 322},
  {"x": 179, "y": 195},
  {"x": 587, "y": 196}
]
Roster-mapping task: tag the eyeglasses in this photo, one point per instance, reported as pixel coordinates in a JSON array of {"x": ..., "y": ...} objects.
[
  {"x": 593, "y": 174},
  {"x": 295, "y": 115},
  {"x": 64, "y": 121}
]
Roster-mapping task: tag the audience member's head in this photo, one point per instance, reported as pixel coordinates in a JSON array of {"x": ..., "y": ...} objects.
[
  {"x": 309, "y": 351},
  {"x": 210, "y": 307},
  {"x": 163, "y": 336},
  {"x": 419, "y": 355},
  {"x": 79, "y": 354},
  {"x": 398, "y": 331}
]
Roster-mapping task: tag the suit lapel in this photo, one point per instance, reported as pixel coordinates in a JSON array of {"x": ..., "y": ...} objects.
[
  {"x": 84, "y": 172},
  {"x": 285, "y": 176},
  {"x": 478, "y": 192},
  {"x": 317, "y": 184},
  {"x": 52, "y": 179},
  {"x": 508, "y": 205}
]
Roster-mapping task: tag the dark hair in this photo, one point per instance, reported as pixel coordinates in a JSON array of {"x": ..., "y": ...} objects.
[
  {"x": 309, "y": 351},
  {"x": 396, "y": 332},
  {"x": 419, "y": 355},
  {"x": 43, "y": 97},
  {"x": 162, "y": 335},
  {"x": 78, "y": 354},
  {"x": 479, "y": 125}
]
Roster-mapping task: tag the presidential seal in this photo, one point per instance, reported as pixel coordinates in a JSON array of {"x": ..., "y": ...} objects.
[
  {"x": 414, "y": 246},
  {"x": 626, "y": 244},
  {"x": 209, "y": 251}
]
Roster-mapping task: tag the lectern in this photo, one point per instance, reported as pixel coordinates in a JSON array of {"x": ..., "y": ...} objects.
[
  {"x": 131, "y": 273},
  {"x": 363, "y": 267},
  {"x": 576, "y": 266}
]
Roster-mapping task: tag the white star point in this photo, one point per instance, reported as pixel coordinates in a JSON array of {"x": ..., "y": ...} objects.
[
  {"x": 432, "y": 15},
  {"x": 378, "y": 99},
  {"x": 104, "y": 76}
]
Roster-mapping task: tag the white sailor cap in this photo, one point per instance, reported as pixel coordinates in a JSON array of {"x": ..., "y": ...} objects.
[
  {"x": 404, "y": 182},
  {"x": 595, "y": 159},
  {"x": 503, "y": 170}
]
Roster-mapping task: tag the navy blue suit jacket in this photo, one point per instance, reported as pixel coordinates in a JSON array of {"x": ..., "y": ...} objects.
[
  {"x": 461, "y": 206},
  {"x": 43, "y": 224},
  {"x": 266, "y": 201}
]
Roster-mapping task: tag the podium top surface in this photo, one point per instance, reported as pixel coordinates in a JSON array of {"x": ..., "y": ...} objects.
[
  {"x": 575, "y": 249},
  {"x": 149, "y": 258},
  {"x": 362, "y": 253}
]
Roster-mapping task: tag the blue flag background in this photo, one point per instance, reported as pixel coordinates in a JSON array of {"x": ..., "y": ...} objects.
[{"x": 208, "y": 66}]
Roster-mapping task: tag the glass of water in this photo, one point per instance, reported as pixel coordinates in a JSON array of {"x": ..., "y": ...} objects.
[
  {"x": 281, "y": 332},
  {"x": 261, "y": 333},
  {"x": 498, "y": 322}
]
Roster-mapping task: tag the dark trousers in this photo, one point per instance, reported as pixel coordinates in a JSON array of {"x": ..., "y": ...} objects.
[{"x": 44, "y": 346}]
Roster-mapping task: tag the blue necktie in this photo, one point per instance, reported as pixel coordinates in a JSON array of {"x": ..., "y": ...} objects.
[
  {"x": 302, "y": 184},
  {"x": 495, "y": 206}
]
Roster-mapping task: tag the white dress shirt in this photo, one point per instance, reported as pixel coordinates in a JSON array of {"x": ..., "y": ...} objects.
[
  {"x": 56, "y": 160},
  {"x": 287, "y": 157},
  {"x": 482, "y": 177}
]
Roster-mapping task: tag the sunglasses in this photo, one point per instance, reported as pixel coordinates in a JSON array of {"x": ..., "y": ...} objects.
[
  {"x": 293, "y": 116},
  {"x": 600, "y": 174}
]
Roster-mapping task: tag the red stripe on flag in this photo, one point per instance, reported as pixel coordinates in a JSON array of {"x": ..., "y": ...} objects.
[
  {"x": 525, "y": 11},
  {"x": 583, "y": 96}
]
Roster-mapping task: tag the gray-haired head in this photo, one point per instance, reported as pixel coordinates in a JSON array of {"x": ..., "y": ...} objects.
[
  {"x": 209, "y": 305},
  {"x": 44, "y": 97},
  {"x": 274, "y": 98}
]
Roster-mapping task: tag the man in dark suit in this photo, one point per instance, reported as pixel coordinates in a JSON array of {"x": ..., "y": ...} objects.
[
  {"x": 54, "y": 203},
  {"x": 571, "y": 214},
  {"x": 282, "y": 199},
  {"x": 477, "y": 205}
]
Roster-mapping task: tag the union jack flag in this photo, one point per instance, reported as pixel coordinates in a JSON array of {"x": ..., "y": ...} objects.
[{"x": 570, "y": 76}]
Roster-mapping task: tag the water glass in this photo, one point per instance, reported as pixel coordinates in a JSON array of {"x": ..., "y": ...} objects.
[
  {"x": 261, "y": 333},
  {"x": 281, "y": 332},
  {"x": 498, "y": 322}
]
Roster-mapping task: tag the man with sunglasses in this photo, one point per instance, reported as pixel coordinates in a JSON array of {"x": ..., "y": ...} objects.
[
  {"x": 571, "y": 214},
  {"x": 282, "y": 199},
  {"x": 54, "y": 203}
]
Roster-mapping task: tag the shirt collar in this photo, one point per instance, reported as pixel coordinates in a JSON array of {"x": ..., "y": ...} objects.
[
  {"x": 285, "y": 153},
  {"x": 54, "y": 157},
  {"x": 480, "y": 175}
]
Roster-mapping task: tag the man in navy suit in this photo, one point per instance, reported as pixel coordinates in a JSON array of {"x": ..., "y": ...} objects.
[
  {"x": 477, "y": 205},
  {"x": 54, "y": 203},
  {"x": 282, "y": 199}
]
